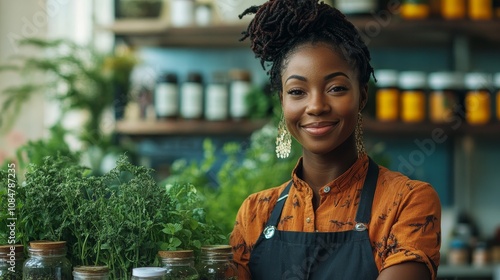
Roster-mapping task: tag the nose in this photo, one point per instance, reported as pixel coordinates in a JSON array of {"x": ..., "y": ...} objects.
[{"x": 317, "y": 104}]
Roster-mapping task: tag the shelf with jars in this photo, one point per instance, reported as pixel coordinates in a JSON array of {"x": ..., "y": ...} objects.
[
  {"x": 460, "y": 28},
  {"x": 188, "y": 127},
  {"x": 378, "y": 29}
]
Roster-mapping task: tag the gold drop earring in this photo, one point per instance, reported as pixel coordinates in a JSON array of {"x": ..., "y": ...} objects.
[
  {"x": 283, "y": 140},
  {"x": 358, "y": 134}
]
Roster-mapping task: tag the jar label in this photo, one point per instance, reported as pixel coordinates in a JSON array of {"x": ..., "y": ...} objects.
[
  {"x": 412, "y": 106},
  {"x": 166, "y": 100},
  {"x": 387, "y": 102},
  {"x": 477, "y": 107}
]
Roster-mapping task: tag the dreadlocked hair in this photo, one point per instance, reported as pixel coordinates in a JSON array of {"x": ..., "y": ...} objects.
[{"x": 279, "y": 26}]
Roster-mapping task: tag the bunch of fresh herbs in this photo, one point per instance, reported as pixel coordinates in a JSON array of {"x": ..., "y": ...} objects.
[{"x": 120, "y": 219}]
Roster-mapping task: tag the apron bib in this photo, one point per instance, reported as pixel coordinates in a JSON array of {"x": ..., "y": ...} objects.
[{"x": 317, "y": 255}]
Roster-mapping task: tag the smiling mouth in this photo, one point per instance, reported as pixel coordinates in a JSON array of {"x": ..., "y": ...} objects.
[{"x": 318, "y": 129}]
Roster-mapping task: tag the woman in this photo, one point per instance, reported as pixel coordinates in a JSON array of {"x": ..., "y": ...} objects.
[{"x": 340, "y": 216}]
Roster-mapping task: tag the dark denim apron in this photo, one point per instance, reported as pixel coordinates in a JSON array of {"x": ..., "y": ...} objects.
[{"x": 317, "y": 255}]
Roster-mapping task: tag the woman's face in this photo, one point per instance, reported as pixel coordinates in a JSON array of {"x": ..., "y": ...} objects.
[{"x": 321, "y": 97}]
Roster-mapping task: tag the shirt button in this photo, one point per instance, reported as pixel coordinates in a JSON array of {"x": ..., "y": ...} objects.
[
  {"x": 326, "y": 189},
  {"x": 308, "y": 220}
]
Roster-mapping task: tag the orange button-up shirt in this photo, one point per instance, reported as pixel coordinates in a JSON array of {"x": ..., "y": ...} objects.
[{"x": 405, "y": 223}]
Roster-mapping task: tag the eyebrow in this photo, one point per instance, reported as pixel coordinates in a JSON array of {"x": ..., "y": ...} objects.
[{"x": 326, "y": 78}]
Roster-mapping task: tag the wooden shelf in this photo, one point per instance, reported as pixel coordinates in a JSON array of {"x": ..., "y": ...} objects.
[
  {"x": 188, "y": 127},
  {"x": 246, "y": 127},
  {"x": 457, "y": 128},
  {"x": 158, "y": 33},
  {"x": 375, "y": 31},
  {"x": 424, "y": 32}
]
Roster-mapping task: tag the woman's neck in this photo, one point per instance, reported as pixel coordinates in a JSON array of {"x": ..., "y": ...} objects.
[{"x": 319, "y": 170}]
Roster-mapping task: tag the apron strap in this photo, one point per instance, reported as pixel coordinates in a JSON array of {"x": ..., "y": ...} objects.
[
  {"x": 365, "y": 203},
  {"x": 278, "y": 207}
]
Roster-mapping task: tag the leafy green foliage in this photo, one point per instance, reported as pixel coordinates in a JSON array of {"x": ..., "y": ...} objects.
[
  {"x": 35, "y": 151},
  {"x": 79, "y": 76},
  {"x": 243, "y": 172},
  {"x": 120, "y": 219}
]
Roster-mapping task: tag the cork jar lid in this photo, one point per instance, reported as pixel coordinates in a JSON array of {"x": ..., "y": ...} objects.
[
  {"x": 44, "y": 244},
  {"x": 91, "y": 270},
  {"x": 7, "y": 248},
  {"x": 176, "y": 254},
  {"x": 221, "y": 249}
]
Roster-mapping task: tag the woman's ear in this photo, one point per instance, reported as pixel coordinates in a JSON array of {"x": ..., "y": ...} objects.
[{"x": 363, "y": 97}]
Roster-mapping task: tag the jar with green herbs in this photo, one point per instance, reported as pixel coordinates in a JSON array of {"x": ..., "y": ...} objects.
[
  {"x": 179, "y": 265},
  {"x": 47, "y": 261},
  {"x": 91, "y": 273},
  {"x": 11, "y": 262},
  {"x": 216, "y": 263}
]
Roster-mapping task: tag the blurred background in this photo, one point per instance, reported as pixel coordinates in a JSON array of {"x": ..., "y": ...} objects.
[{"x": 169, "y": 83}]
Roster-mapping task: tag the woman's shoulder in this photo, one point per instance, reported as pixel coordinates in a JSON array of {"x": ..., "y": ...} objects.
[
  {"x": 395, "y": 183},
  {"x": 398, "y": 179}
]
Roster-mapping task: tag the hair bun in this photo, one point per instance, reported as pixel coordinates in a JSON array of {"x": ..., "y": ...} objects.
[{"x": 294, "y": 17}]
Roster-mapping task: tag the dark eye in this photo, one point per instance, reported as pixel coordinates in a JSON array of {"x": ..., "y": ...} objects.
[
  {"x": 295, "y": 91},
  {"x": 337, "y": 89}
]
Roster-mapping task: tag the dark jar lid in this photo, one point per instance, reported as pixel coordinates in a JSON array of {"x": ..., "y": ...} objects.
[
  {"x": 168, "y": 78},
  {"x": 194, "y": 77},
  {"x": 7, "y": 250}
]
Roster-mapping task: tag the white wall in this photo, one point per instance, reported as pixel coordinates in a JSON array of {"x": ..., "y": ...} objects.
[
  {"x": 17, "y": 20},
  {"x": 51, "y": 19}
]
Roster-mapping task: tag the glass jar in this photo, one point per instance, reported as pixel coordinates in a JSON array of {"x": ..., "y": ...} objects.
[
  {"x": 453, "y": 9},
  {"x": 91, "y": 273},
  {"x": 415, "y": 9},
  {"x": 458, "y": 253},
  {"x": 148, "y": 273},
  {"x": 477, "y": 98},
  {"x": 217, "y": 98},
  {"x": 480, "y": 9},
  {"x": 387, "y": 95},
  {"x": 11, "y": 262},
  {"x": 239, "y": 89},
  {"x": 203, "y": 14},
  {"x": 444, "y": 95},
  {"x": 481, "y": 254},
  {"x": 166, "y": 96},
  {"x": 182, "y": 12},
  {"x": 47, "y": 260},
  {"x": 192, "y": 97},
  {"x": 413, "y": 102},
  {"x": 356, "y": 7},
  {"x": 496, "y": 8},
  {"x": 179, "y": 264},
  {"x": 216, "y": 263}
]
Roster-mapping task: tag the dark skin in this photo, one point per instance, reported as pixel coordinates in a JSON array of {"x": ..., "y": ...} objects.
[{"x": 321, "y": 99}]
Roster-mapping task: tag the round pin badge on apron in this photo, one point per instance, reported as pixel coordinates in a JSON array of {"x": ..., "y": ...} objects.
[
  {"x": 360, "y": 227},
  {"x": 269, "y": 232}
]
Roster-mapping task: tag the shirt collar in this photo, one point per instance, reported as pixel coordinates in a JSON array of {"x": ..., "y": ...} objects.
[{"x": 352, "y": 175}]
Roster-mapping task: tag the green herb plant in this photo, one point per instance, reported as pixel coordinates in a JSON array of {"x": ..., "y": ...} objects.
[{"x": 120, "y": 219}]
